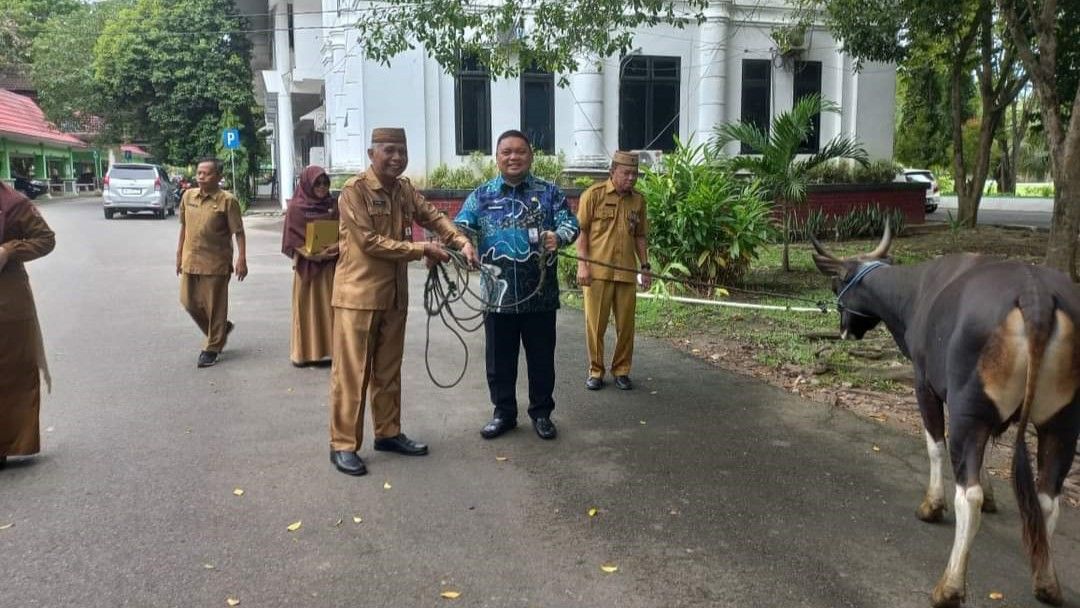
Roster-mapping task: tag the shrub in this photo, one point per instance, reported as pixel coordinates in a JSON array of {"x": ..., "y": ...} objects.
[
  {"x": 866, "y": 222},
  {"x": 877, "y": 172},
  {"x": 702, "y": 217},
  {"x": 481, "y": 168},
  {"x": 546, "y": 166},
  {"x": 836, "y": 172},
  {"x": 583, "y": 182}
]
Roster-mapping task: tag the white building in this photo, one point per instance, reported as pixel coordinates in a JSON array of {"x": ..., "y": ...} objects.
[{"x": 675, "y": 82}]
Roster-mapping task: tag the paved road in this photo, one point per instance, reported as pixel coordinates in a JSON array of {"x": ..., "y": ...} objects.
[
  {"x": 712, "y": 489},
  {"x": 1002, "y": 211}
]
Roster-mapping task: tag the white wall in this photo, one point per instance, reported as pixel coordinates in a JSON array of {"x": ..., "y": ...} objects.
[{"x": 307, "y": 40}]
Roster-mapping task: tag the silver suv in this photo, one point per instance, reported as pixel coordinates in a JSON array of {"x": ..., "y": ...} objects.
[{"x": 130, "y": 188}]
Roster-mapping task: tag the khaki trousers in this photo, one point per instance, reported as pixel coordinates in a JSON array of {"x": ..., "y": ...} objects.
[
  {"x": 368, "y": 346},
  {"x": 206, "y": 298},
  {"x": 601, "y": 299}
]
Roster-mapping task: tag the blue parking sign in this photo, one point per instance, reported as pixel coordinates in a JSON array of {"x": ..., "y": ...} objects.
[{"x": 230, "y": 138}]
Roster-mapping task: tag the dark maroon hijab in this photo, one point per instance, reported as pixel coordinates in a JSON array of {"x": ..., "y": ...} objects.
[{"x": 305, "y": 207}]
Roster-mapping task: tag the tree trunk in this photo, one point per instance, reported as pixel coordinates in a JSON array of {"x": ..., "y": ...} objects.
[
  {"x": 1006, "y": 169},
  {"x": 786, "y": 260},
  {"x": 1061, "y": 248}
]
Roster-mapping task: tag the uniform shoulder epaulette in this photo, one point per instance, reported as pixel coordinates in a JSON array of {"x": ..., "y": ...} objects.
[{"x": 351, "y": 181}]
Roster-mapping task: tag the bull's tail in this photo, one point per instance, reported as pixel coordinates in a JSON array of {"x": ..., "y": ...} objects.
[{"x": 1037, "y": 308}]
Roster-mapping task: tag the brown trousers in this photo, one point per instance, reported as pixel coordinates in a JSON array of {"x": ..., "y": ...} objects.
[
  {"x": 368, "y": 346},
  {"x": 20, "y": 389},
  {"x": 206, "y": 298},
  {"x": 601, "y": 299}
]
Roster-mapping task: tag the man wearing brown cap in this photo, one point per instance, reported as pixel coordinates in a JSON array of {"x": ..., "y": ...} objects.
[
  {"x": 614, "y": 227},
  {"x": 377, "y": 208}
]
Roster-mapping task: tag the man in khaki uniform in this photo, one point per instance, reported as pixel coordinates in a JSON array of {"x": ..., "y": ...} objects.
[
  {"x": 209, "y": 219},
  {"x": 370, "y": 298},
  {"x": 614, "y": 226}
]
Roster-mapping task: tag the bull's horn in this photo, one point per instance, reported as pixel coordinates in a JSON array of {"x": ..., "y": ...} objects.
[
  {"x": 821, "y": 248},
  {"x": 883, "y": 247}
]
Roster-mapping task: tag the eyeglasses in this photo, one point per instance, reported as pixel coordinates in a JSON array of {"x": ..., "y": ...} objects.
[{"x": 322, "y": 183}]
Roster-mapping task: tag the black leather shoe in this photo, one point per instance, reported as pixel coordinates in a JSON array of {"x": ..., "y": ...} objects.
[
  {"x": 497, "y": 427},
  {"x": 348, "y": 463},
  {"x": 623, "y": 383},
  {"x": 545, "y": 428},
  {"x": 207, "y": 358},
  {"x": 594, "y": 384},
  {"x": 400, "y": 444}
]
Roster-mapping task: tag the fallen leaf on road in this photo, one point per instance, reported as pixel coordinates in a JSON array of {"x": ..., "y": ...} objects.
[
  {"x": 641, "y": 422},
  {"x": 386, "y": 485},
  {"x": 49, "y": 429},
  {"x": 290, "y": 390},
  {"x": 593, "y": 511},
  {"x": 997, "y": 595},
  {"x": 501, "y": 458},
  {"x": 232, "y": 601},
  {"x": 876, "y": 449},
  {"x": 293, "y": 527},
  {"x": 357, "y": 519},
  {"x": 6, "y": 526},
  {"x": 238, "y": 492},
  {"x": 609, "y": 568},
  {"x": 653, "y": 392},
  {"x": 338, "y": 522},
  {"x": 450, "y": 595},
  {"x": 208, "y": 566},
  {"x": 695, "y": 350}
]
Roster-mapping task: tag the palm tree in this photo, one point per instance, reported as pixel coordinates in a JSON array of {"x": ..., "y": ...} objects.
[{"x": 775, "y": 162}]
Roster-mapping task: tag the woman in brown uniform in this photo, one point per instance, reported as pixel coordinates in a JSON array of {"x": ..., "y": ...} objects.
[
  {"x": 313, "y": 281},
  {"x": 24, "y": 236}
]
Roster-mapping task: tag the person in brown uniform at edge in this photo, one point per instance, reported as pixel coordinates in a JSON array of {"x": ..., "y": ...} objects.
[
  {"x": 614, "y": 226},
  {"x": 24, "y": 236},
  {"x": 370, "y": 299},
  {"x": 313, "y": 280},
  {"x": 209, "y": 218}
]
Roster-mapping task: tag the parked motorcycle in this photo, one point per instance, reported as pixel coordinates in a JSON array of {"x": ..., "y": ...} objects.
[{"x": 32, "y": 188}]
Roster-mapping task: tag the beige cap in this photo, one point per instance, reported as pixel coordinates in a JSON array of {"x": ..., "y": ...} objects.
[
  {"x": 625, "y": 158},
  {"x": 388, "y": 135}
]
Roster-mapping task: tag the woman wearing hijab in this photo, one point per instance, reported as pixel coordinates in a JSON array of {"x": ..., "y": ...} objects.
[
  {"x": 24, "y": 236},
  {"x": 313, "y": 281}
]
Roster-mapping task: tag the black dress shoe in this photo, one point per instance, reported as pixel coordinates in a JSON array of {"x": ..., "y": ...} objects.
[
  {"x": 400, "y": 444},
  {"x": 207, "y": 358},
  {"x": 594, "y": 383},
  {"x": 623, "y": 383},
  {"x": 348, "y": 463},
  {"x": 497, "y": 427},
  {"x": 545, "y": 428}
]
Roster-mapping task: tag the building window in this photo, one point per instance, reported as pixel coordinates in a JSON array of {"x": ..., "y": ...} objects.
[
  {"x": 538, "y": 109},
  {"x": 756, "y": 90},
  {"x": 649, "y": 102},
  {"x": 808, "y": 82},
  {"x": 472, "y": 95}
]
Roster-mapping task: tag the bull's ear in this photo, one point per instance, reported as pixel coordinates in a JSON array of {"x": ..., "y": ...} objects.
[{"x": 830, "y": 266}]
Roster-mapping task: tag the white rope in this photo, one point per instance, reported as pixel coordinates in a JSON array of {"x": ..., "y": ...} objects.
[{"x": 729, "y": 304}]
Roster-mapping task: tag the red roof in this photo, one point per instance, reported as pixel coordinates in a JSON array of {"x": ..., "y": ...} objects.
[
  {"x": 21, "y": 118},
  {"x": 135, "y": 150}
]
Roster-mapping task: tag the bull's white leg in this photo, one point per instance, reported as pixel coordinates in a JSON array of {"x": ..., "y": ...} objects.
[
  {"x": 933, "y": 505},
  {"x": 1047, "y": 588},
  {"x": 950, "y": 590},
  {"x": 989, "y": 504}
]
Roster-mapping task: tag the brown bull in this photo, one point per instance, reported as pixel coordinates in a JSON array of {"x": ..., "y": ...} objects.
[{"x": 997, "y": 341}]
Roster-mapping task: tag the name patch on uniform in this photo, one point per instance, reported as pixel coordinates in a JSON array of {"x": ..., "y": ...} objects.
[
  {"x": 534, "y": 235},
  {"x": 378, "y": 202}
]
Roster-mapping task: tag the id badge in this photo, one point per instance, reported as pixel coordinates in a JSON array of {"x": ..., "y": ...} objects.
[
  {"x": 408, "y": 232},
  {"x": 534, "y": 235}
]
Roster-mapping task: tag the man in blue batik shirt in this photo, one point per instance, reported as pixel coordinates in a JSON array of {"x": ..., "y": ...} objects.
[{"x": 517, "y": 216}]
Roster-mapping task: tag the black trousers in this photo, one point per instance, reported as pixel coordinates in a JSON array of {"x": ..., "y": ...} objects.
[{"x": 505, "y": 334}]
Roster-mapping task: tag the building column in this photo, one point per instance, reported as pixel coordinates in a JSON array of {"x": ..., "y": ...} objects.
[
  {"x": 587, "y": 87},
  {"x": 5, "y": 161},
  {"x": 41, "y": 167},
  {"x": 284, "y": 128},
  {"x": 712, "y": 88},
  {"x": 70, "y": 164},
  {"x": 333, "y": 56}
]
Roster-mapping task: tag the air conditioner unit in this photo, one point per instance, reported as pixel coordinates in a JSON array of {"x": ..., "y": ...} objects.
[{"x": 649, "y": 158}]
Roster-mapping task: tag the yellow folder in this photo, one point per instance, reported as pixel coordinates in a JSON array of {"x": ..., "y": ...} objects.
[{"x": 320, "y": 234}]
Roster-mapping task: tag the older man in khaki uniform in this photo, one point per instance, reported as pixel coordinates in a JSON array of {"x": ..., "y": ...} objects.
[
  {"x": 370, "y": 300},
  {"x": 209, "y": 219},
  {"x": 614, "y": 226}
]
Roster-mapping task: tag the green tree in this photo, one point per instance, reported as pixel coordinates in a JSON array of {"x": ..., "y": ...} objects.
[
  {"x": 776, "y": 163},
  {"x": 509, "y": 35},
  {"x": 21, "y": 21},
  {"x": 173, "y": 90},
  {"x": 960, "y": 34},
  {"x": 62, "y": 67},
  {"x": 1046, "y": 34},
  {"x": 922, "y": 123}
]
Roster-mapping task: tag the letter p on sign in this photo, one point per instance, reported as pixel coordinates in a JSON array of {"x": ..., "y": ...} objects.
[{"x": 230, "y": 138}]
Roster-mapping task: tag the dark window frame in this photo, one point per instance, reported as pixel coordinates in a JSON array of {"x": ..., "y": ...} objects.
[
  {"x": 811, "y": 72},
  {"x": 547, "y": 82},
  {"x": 642, "y": 69},
  {"x": 756, "y": 85},
  {"x": 472, "y": 73}
]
